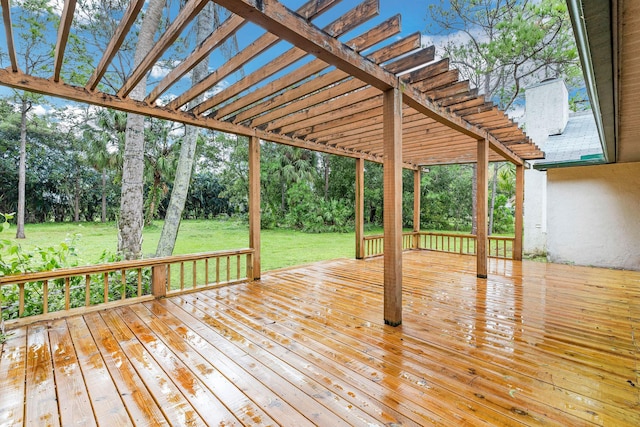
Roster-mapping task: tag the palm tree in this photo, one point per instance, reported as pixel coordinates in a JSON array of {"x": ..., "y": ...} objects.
[{"x": 105, "y": 148}]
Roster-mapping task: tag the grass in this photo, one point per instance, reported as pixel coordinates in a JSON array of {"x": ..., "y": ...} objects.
[{"x": 280, "y": 247}]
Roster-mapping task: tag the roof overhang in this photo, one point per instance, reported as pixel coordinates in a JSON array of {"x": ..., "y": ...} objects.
[
  {"x": 592, "y": 26},
  {"x": 609, "y": 45}
]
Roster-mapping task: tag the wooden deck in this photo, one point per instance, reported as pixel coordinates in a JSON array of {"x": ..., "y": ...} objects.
[{"x": 535, "y": 344}]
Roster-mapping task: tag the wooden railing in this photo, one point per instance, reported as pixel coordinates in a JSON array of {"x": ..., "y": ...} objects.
[
  {"x": 56, "y": 293},
  {"x": 465, "y": 244},
  {"x": 374, "y": 245},
  {"x": 448, "y": 242}
]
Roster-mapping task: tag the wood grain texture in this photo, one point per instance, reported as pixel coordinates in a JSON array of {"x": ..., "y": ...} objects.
[
  {"x": 359, "y": 208},
  {"x": 416, "y": 201},
  {"x": 392, "y": 129},
  {"x": 519, "y": 213},
  {"x": 535, "y": 344},
  {"x": 41, "y": 406},
  {"x": 13, "y": 363},
  {"x": 482, "y": 183},
  {"x": 254, "y": 206}
]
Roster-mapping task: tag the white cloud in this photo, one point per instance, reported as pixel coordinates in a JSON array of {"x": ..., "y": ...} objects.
[
  {"x": 159, "y": 71},
  {"x": 457, "y": 38},
  {"x": 39, "y": 110}
]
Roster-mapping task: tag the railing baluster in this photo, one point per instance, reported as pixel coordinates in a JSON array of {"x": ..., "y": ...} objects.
[
  {"x": 87, "y": 290},
  {"x": 105, "y": 295},
  {"x": 194, "y": 270},
  {"x": 228, "y": 270},
  {"x": 168, "y": 277},
  {"x": 206, "y": 271},
  {"x": 140, "y": 282},
  {"x": 45, "y": 297},
  {"x": 67, "y": 293},
  {"x": 124, "y": 284},
  {"x": 218, "y": 270},
  {"x": 182, "y": 276},
  {"x": 237, "y": 267},
  {"x": 21, "y": 297}
]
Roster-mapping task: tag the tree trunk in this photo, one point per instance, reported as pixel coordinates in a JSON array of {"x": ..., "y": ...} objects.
[
  {"x": 22, "y": 169},
  {"x": 76, "y": 201},
  {"x": 325, "y": 161},
  {"x": 181, "y": 182},
  {"x": 474, "y": 199},
  {"x": 103, "y": 216},
  {"x": 131, "y": 200},
  {"x": 492, "y": 205},
  {"x": 283, "y": 193}
]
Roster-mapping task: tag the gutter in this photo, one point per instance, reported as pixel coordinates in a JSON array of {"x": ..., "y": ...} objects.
[
  {"x": 586, "y": 160},
  {"x": 597, "y": 76}
]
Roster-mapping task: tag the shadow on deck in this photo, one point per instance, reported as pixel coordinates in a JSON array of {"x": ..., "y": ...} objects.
[{"x": 534, "y": 344}]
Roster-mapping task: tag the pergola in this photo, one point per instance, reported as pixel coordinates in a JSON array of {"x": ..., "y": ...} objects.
[{"x": 394, "y": 105}]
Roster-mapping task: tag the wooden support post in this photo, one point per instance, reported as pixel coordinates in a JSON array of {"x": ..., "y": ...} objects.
[
  {"x": 416, "y": 208},
  {"x": 392, "y": 131},
  {"x": 517, "y": 242},
  {"x": 159, "y": 280},
  {"x": 359, "y": 208},
  {"x": 482, "y": 183},
  {"x": 253, "y": 270}
]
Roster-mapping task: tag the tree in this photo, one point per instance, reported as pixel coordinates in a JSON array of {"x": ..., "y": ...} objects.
[
  {"x": 186, "y": 158},
  {"x": 104, "y": 148},
  {"x": 160, "y": 164},
  {"x": 34, "y": 20},
  {"x": 501, "y": 46},
  {"x": 131, "y": 199}
]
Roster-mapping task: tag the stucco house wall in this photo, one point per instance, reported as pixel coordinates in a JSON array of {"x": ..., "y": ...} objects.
[{"x": 593, "y": 215}]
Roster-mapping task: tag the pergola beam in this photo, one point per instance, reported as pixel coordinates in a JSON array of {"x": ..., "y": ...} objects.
[
  {"x": 116, "y": 41},
  {"x": 323, "y": 90},
  {"x": 375, "y": 35},
  {"x": 228, "y": 28},
  {"x": 63, "y": 36},
  {"x": 279, "y": 20},
  {"x": 309, "y": 10},
  {"x": 8, "y": 29},
  {"x": 18, "y": 80},
  {"x": 364, "y": 41},
  {"x": 350, "y": 20},
  {"x": 184, "y": 18}
]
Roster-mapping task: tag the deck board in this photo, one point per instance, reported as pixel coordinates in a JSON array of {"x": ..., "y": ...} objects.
[
  {"x": 13, "y": 365},
  {"x": 68, "y": 379},
  {"x": 534, "y": 344}
]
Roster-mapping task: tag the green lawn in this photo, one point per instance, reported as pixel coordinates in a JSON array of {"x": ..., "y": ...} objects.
[{"x": 280, "y": 247}]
